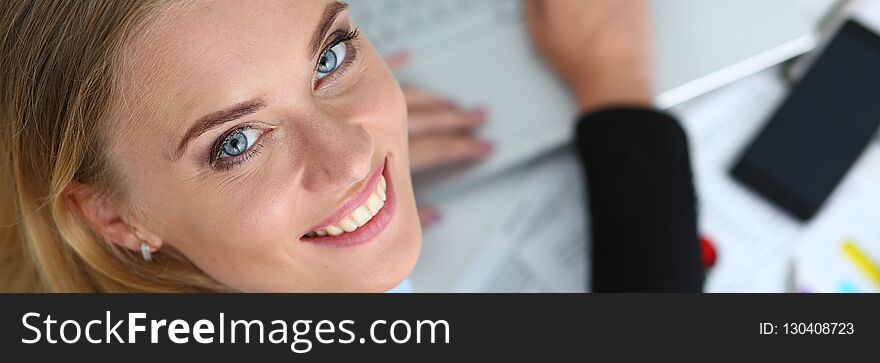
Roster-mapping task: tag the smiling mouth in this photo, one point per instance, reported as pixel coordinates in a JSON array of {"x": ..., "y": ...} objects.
[
  {"x": 362, "y": 218},
  {"x": 361, "y": 215}
]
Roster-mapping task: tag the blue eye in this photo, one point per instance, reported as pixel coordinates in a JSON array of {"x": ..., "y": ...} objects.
[
  {"x": 239, "y": 142},
  {"x": 332, "y": 59}
]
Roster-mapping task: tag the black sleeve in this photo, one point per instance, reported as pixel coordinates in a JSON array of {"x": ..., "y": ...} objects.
[{"x": 642, "y": 202}]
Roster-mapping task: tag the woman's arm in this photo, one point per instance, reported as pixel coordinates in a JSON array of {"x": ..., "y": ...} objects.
[
  {"x": 641, "y": 194},
  {"x": 642, "y": 201}
]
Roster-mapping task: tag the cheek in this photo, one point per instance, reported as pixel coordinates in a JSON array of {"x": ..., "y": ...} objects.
[
  {"x": 388, "y": 125},
  {"x": 247, "y": 245},
  {"x": 227, "y": 227},
  {"x": 379, "y": 102},
  {"x": 234, "y": 228}
]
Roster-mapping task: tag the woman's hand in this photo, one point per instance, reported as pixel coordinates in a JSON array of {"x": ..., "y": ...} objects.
[
  {"x": 600, "y": 48},
  {"x": 440, "y": 133}
]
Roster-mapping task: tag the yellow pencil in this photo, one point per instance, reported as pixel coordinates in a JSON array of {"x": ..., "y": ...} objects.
[{"x": 862, "y": 261}]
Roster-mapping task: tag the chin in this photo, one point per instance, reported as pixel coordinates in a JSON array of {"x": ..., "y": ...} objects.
[{"x": 404, "y": 263}]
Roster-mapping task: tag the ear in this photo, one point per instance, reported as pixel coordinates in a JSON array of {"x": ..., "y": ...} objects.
[{"x": 103, "y": 217}]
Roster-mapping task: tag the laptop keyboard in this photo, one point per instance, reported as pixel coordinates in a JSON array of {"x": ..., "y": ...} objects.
[{"x": 394, "y": 24}]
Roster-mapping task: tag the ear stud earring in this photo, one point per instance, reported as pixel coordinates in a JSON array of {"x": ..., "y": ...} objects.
[{"x": 145, "y": 252}]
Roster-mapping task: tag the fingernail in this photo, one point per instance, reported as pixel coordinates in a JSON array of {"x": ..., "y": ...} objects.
[
  {"x": 431, "y": 219},
  {"x": 398, "y": 59},
  {"x": 479, "y": 113}
]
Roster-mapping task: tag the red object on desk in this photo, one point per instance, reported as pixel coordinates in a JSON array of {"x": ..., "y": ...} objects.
[{"x": 707, "y": 252}]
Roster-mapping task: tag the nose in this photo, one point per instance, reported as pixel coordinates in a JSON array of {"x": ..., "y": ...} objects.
[{"x": 339, "y": 154}]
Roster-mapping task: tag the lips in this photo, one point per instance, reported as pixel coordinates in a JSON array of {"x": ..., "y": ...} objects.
[{"x": 361, "y": 218}]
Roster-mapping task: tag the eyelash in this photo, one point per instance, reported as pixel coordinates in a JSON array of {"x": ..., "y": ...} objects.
[
  {"x": 339, "y": 37},
  {"x": 225, "y": 164}
]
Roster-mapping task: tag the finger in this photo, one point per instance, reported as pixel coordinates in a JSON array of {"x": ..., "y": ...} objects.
[
  {"x": 437, "y": 151},
  {"x": 534, "y": 9},
  {"x": 397, "y": 60},
  {"x": 564, "y": 12},
  {"x": 534, "y": 13},
  {"x": 428, "y": 122},
  {"x": 429, "y": 216},
  {"x": 417, "y": 98},
  {"x": 562, "y": 8}
]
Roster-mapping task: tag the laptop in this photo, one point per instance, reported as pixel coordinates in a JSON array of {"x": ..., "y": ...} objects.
[{"x": 477, "y": 53}]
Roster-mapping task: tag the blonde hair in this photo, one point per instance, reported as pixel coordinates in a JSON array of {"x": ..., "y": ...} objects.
[{"x": 59, "y": 73}]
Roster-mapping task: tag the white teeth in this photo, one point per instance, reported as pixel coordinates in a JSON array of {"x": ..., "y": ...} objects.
[
  {"x": 361, "y": 216},
  {"x": 374, "y": 204},
  {"x": 333, "y": 230},
  {"x": 381, "y": 188},
  {"x": 348, "y": 224}
]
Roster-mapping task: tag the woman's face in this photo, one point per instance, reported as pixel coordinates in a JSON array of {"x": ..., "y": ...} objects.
[{"x": 267, "y": 143}]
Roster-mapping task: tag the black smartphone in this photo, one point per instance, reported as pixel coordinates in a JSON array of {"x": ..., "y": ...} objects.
[{"x": 821, "y": 129}]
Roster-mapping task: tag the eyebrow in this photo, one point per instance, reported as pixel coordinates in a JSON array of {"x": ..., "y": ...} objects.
[
  {"x": 330, "y": 13},
  {"x": 212, "y": 120}
]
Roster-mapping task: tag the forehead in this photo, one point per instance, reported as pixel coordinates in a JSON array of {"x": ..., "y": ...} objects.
[{"x": 209, "y": 54}]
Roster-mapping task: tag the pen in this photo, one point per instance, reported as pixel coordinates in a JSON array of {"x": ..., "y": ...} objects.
[{"x": 862, "y": 261}]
